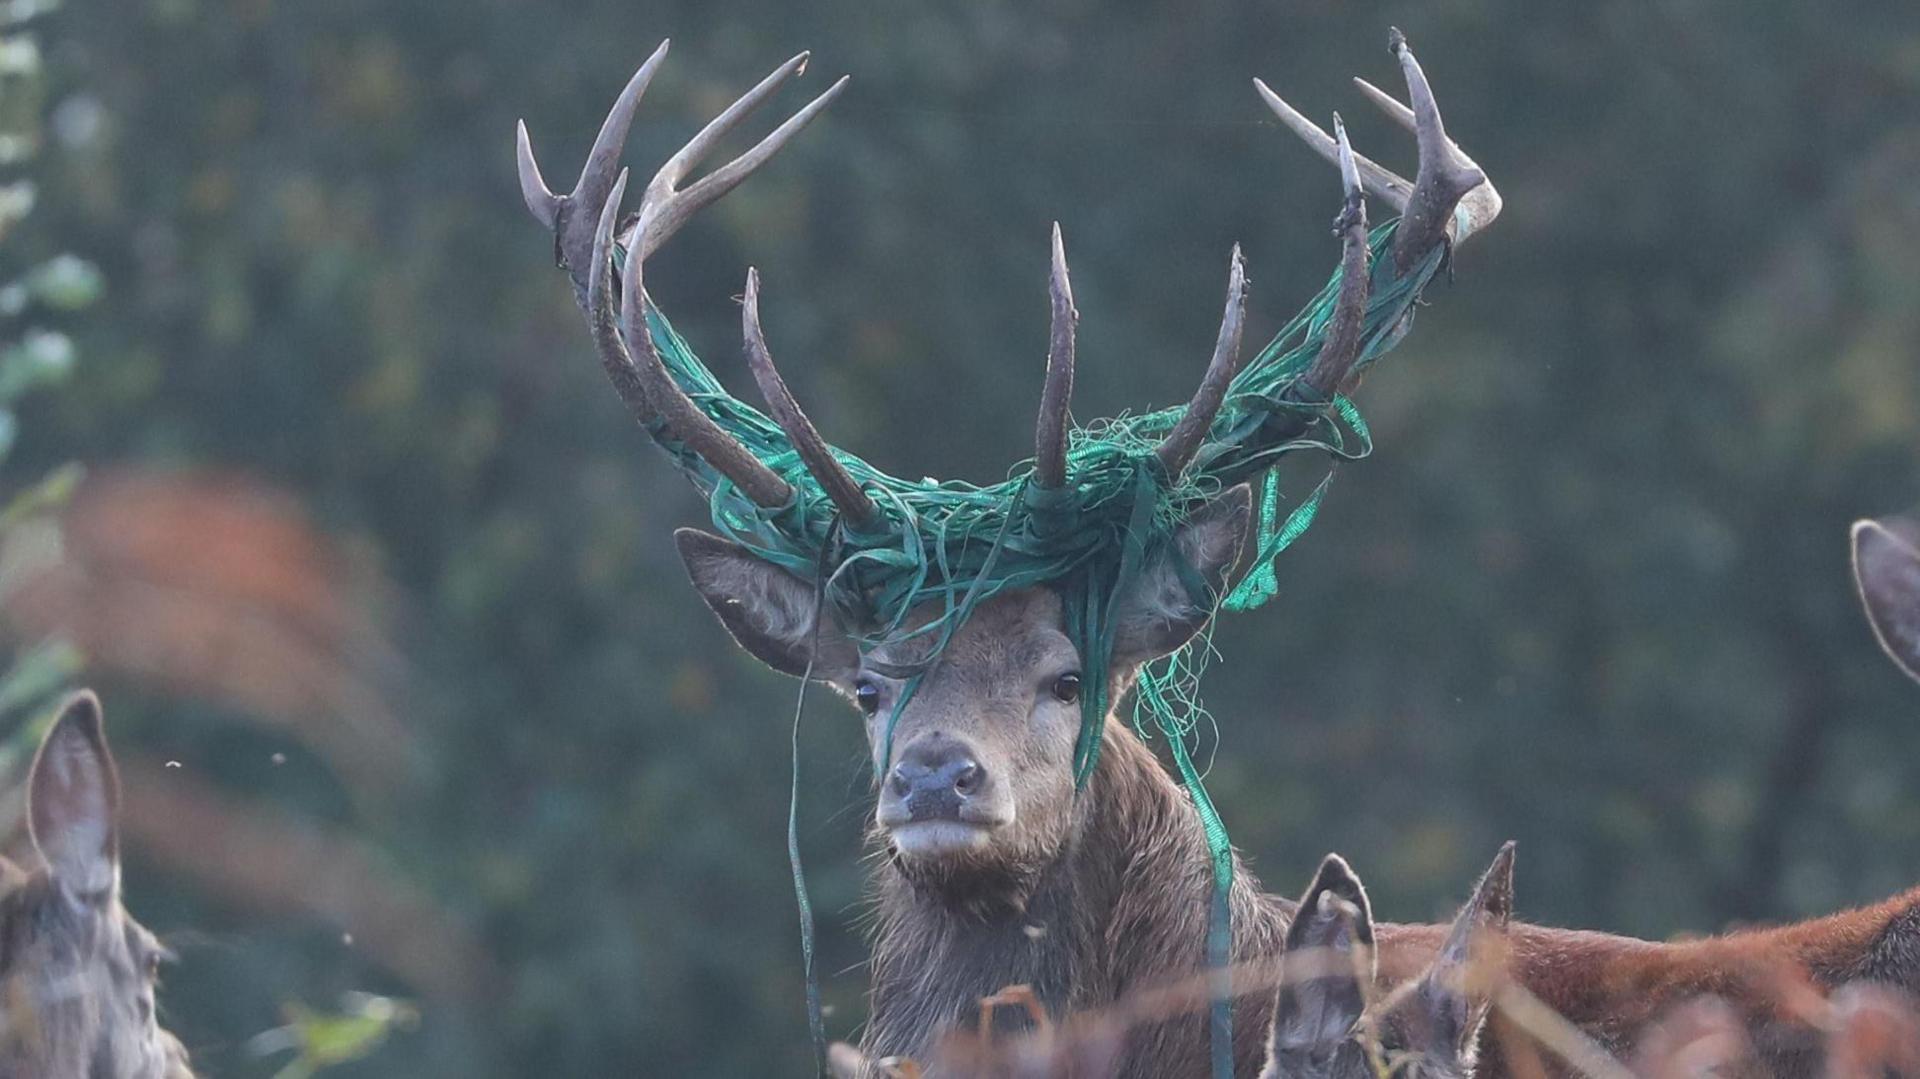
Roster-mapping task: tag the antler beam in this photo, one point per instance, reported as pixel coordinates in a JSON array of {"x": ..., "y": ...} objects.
[{"x": 662, "y": 396}]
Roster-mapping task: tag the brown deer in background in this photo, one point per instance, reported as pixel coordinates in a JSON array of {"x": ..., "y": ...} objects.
[
  {"x": 1327, "y": 1023},
  {"x": 992, "y": 868},
  {"x": 77, "y": 973}
]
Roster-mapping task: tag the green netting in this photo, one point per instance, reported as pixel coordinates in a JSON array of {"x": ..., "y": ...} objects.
[
  {"x": 931, "y": 541},
  {"x": 945, "y": 547}
]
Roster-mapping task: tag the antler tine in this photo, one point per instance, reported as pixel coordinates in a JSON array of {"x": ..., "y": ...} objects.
[
  {"x": 1481, "y": 205},
  {"x": 1332, "y": 370},
  {"x": 840, "y": 486},
  {"x": 664, "y": 210},
  {"x": 1050, "y": 432},
  {"x": 1442, "y": 180},
  {"x": 646, "y": 386},
  {"x": 1380, "y": 182},
  {"x": 572, "y": 216},
  {"x": 1177, "y": 449}
]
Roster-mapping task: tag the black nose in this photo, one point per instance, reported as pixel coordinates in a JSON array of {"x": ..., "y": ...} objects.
[{"x": 934, "y": 777}]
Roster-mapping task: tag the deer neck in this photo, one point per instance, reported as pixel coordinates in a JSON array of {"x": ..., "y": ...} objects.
[{"x": 1123, "y": 905}]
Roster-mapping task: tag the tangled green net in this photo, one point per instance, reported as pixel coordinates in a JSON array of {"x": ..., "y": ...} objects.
[{"x": 948, "y": 546}]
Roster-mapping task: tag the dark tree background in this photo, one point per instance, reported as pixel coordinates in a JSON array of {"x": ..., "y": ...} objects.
[{"x": 1591, "y": 592}]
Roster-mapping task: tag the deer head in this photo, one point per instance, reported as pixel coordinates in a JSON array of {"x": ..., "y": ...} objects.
[
  {"x": 77, "y": 973},
  {"x": 982, "y": 630},
  {"x": 1326, "y": 1024}
]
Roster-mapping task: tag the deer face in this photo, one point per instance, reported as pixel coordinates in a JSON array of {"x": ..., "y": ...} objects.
[
  {"x": 77, "y": 973},
  {"x": 978, "y": 787},
  {"x": 1325, "y": 1025}
]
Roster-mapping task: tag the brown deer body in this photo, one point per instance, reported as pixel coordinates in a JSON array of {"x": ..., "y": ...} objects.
[{"x": 77, "y": 973}]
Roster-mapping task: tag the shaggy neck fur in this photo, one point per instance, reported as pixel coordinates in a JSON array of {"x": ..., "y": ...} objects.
[{"x": 1123, "y": 907}]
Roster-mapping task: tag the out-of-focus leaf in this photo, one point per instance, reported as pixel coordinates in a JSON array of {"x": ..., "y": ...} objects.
[
  {"x": 325, "y": 1039},
  {"x": 50, "y": 493},
  {"x": 37, "y": 674},
  {"x": 19, "y": 56},
  {"x": 39, "y": 358},
  {"x": 65, "y": 282},
  {"x": 15, "y": 12}
]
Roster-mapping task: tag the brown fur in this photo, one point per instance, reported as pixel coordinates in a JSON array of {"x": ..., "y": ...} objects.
[{"x": 77, "y": 973}]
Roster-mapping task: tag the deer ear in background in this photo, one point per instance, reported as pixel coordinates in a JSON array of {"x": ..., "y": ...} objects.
[
  {"x": 1886, "y": 569},
  {"x": 73, "y": 795}
]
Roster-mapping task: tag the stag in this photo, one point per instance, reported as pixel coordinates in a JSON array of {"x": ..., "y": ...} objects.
[
  {"x": 77, "y": 973},
  {"x": 994, "y": 866}
]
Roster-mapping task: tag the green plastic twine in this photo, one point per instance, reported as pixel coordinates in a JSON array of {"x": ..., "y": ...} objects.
[
  {"x": 816, "y": 1019},
  {"x": 1155, "y": 694}
]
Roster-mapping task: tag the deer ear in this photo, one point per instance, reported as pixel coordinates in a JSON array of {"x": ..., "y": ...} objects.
[
  {"x": 1327, "y": 966},
  {"x": 1457, "y": 988},
  {"x": 769, "y": 611},
  {"x": 1161, "y": 613},
  {"x": 73, "y": 800},
  {"x": 1886, "y": 568}
]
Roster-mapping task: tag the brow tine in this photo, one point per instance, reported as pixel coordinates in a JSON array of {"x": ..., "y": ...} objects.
[
  {"x": 1181, "y": 443},
  {"x": 1056, "y": 394},
  {"x": 814, "y": 452},
  {"x": 1380, "y": 182},
  {"x": 682, "y": 205},
  {"x": 542, "y": 203}
]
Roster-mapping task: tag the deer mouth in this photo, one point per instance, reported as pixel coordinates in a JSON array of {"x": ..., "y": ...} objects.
[{"x": 939, "y": 838}]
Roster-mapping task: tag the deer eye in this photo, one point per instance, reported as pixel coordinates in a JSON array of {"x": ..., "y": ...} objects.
[
  {"x": 1066, "y": 688},
  {"x": 867, "y": 696}
]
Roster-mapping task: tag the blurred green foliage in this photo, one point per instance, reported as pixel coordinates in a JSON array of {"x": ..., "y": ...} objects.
[
  {"x": 33, "y": 355},
  {"x": 1590, "y": 593}
]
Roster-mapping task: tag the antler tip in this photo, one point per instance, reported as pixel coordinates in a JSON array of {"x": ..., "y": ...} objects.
[
  {"x": 1396, "y": 41},
  {"x": 540, "y": 199}
]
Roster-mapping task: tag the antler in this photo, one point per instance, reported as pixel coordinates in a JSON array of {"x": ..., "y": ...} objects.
[
  {"x": 1332, "y": 369},
  {"x": 1181, "y": 443},
  {"x": 1450, "y": 197},
  {"x": 658, "y": 396},
  {"x": 573, "y": 216},
  {"x": 583, "y": 222},
  {"x": 814, "y": 452},
  {"x": 1050, "y": 431}
]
